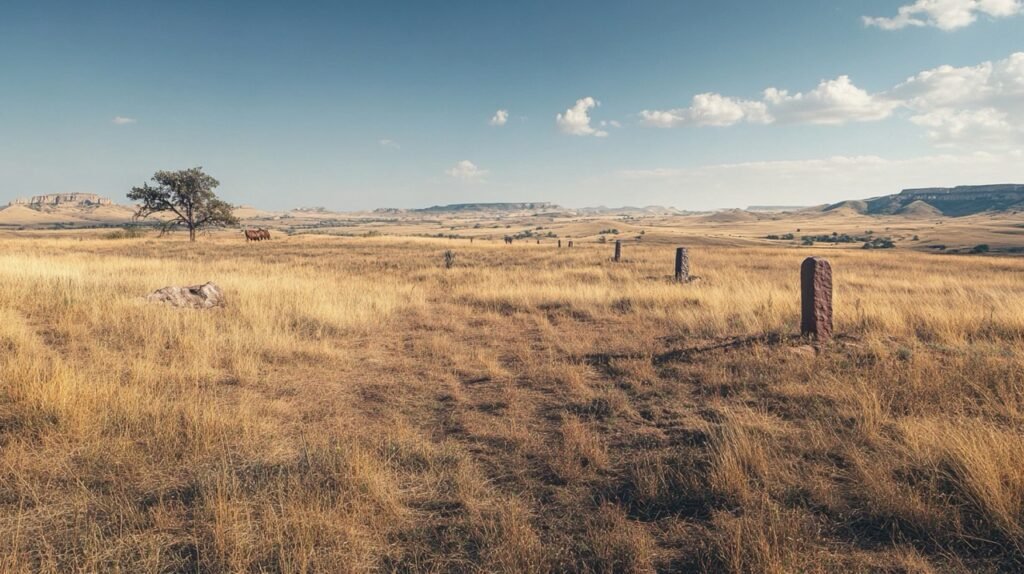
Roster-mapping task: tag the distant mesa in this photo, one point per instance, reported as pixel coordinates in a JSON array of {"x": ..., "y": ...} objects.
[
  {"x": 776, "y": 208},
  {"x": 63, "y": 200},
  {"x": 456, "y": 207},
  {"x": 937, "y": 201}
]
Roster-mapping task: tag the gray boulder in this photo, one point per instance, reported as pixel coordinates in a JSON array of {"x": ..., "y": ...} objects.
[{"x": 203, "y": 296}]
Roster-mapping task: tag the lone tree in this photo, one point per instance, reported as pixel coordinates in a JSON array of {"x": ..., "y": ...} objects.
[{"x": 187, "y": 195}]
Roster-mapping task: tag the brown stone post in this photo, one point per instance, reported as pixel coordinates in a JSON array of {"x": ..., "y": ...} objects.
[
  {"x": 682, "y": 265},
  {"x": 816, "y": 298},
  {"x": 618, "y": 249}
]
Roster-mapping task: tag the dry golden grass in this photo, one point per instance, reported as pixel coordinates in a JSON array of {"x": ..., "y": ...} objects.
[{"x": 357, "y": 407}]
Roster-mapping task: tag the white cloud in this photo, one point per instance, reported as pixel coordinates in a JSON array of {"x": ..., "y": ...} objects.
[
  {"x": 812, "y": 181},
  {"x": 946, "y": 14},
  {"x": 832, "y": 102},
  {"x": 976, "y": 105},
  {"x": 709, "y": 109},
  {"x": 664, "y": 118},
  {"x": 389, "y": 144},
  {"x": 467, "y": 171},
  {"x": 576, "y": 120},
  {"x": 947, "y": 127},
  {"x": 973, "y": 105},
  {"x": 500, "y": 118},
  {"x": 123, "y": 121}
]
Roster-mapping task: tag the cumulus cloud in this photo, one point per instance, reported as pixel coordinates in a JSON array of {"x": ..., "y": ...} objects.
[
  {"x": 123, "y": 121},
  {"x": 499, "y": 118},
  {"x": 467, "y": 171},
  {"x": 389, "y": 144},
  {"x": 946, "y": 14},
  {"x": 709, "y": 109},
  {"x": 832, "y": 102},
  {"x": 982, "y": 104},
  {"x": 576, "y": 120},
  {"x": 946, "y": 127}
]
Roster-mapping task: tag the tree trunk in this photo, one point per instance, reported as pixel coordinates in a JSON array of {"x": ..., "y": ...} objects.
[{"x": 192, "y": 234}]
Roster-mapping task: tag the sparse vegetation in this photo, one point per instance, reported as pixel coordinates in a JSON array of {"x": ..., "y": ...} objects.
[
  {"x": 530, "y": 410},
  {"x": 879, "y": 243},
  {"x": 127, "y": 232}
]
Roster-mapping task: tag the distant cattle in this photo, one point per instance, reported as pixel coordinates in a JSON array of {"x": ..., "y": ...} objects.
[
  {"x": 256, "y": 234},
  {"x": 508, "y": 240}
]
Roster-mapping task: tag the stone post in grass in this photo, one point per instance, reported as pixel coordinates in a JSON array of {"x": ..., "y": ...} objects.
[
  {"x": 618, "y": 249},
  {"x": 682, "y": 265},
  {"x": 816, "y": 298}
]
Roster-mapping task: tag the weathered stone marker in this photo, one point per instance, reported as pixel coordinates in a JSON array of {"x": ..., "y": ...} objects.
[
  {"x": 618, "y": 249},
  {"x": 682, "y": 265},
  {"x": 816, "y": 298},
  {"x": 205, "y": 296}
]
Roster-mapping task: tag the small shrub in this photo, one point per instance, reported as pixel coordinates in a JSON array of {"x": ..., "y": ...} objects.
[
  {"x": 126, "y": 232},
  {"x": 981, "y": 248},
  {"x": 449, "y": 259}
]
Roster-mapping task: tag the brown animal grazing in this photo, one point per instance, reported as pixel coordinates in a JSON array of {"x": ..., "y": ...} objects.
[
  {"x": 251, "y": 235},
  {"x": 264, "y": 234}
]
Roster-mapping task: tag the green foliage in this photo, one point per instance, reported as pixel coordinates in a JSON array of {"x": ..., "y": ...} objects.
[
  {"x": 981, "y": 248},
  {"x": 187, "y": 195},
  {"x": 879, "y": 243}
]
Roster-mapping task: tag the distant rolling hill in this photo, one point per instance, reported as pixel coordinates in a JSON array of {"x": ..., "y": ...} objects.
[{"x": 936, "y": 201}]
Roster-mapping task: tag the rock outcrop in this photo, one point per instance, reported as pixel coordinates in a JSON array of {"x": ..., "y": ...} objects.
[
  {"x": 63, "y": 199},
  {"x": 204, "y": 296}
]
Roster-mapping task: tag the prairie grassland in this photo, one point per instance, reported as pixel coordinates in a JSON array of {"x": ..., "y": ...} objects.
[{"x": 357, "y": 407}]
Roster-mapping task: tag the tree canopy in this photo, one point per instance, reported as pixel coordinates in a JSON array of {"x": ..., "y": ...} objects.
[{"x": 187, "y": 195}]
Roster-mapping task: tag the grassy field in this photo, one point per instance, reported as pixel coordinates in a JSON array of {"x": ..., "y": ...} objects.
[{"x": 358, "y": 407}]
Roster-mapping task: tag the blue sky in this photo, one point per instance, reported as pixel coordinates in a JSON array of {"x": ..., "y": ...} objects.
[{"x": 390, "y": 104}]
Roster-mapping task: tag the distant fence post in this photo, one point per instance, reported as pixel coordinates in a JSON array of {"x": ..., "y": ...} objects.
[
  {"x": 559, "y": 243},
  {"x": 682, "y": 265},
  {"x": 570, "y": 243},
  {"x": 816, "y": 298},
  {"x": 618, "y": 249}
]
